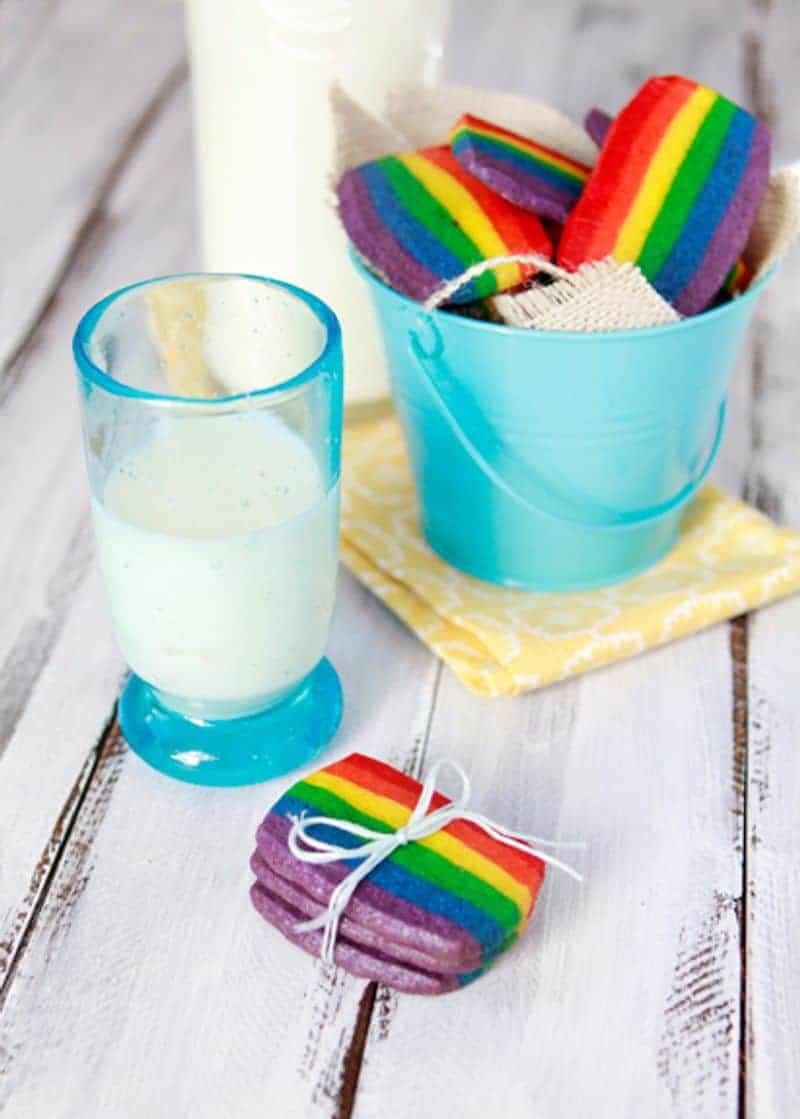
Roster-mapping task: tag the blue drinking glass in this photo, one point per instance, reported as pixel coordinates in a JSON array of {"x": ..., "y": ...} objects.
[{"x": 212, "y": 416}]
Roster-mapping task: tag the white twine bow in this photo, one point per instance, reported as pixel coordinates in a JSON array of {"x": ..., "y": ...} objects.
[{"x": 380, "y": 845}]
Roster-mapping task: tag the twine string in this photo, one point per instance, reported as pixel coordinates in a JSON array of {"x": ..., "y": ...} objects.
[
  {"x": 448, "y": 289},
  {"x": 379, "y": 845}
]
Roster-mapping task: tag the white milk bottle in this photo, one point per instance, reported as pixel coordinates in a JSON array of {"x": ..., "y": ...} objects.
[{"x": 261, "y": 75}]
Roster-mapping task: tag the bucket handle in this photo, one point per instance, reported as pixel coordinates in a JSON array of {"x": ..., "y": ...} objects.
[{"x": 602, "y": 519}]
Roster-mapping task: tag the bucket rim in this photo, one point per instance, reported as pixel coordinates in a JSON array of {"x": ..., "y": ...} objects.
[{"x": 690, "y": 322}]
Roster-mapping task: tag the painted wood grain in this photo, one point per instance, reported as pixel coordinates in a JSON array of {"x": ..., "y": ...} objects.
[
  {"x": 609, "y": 1037},
  {"x": 126, "y": 925},
  {"x": 49, "y": 761},
  {"x": 773, "y": 774},
  {"x": 595, "y": 52},
  {"x": 772, "y": 869},
  {"x": 772, "y": 865},
  {"x": 58, "y": 664},
  {"x": 147, "y": 212},
  {"x": 78, "y": 80},
  {"x": 622, "y": 999},
  {"x": 21, "y": 22},
  {"x": 160, "y": 962}
]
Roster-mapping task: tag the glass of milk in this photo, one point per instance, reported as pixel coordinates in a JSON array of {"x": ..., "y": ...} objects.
[{"x": 216, "y": 508}]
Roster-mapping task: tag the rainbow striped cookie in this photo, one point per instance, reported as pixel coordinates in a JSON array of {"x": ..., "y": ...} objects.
[
  {"x": 675, "y": 190},
  {"x": 442, "y": 908},
  {"x": 523, "y": 171},
  {"x": 419, "y": 219}
]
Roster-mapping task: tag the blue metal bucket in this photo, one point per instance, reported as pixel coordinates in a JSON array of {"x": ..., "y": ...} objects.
[{"x": 551, "y": 460}]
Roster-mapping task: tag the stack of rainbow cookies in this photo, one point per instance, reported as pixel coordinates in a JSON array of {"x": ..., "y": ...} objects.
[
  {"x": 428, "y": 919},
  {"x": 678, "y": 180}
]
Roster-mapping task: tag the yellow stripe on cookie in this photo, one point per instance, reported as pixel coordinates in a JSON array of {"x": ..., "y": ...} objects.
[
  {"x": 663, "y": 168},
  {"x": 456, "y": 199},
  {"x": 396, "y": 815}
]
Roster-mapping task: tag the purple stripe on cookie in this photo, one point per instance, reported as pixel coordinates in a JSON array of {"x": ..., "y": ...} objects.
[
  {"x": 597, "y": 124},
  {"x": 730, "y": 236},
  {"x": 526, "y": 190},
  {"x": 374, "y": 241},
  {"x": 295, "y": 896},
  {"x": 358, "y": 961},
  {"x": 395, "y": 919}
]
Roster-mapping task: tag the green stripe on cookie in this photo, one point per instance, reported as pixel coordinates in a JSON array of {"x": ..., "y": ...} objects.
[
  {"x": 438, "y": 220},
  {"x": 419, "y": 860},
  {"x": 692, "y": 174}
]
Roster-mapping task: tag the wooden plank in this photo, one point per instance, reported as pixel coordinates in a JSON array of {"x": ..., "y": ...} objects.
[
  {"x": 773, "y": 865},
  {"x": 147, "y": 208},
  {"x": 643, "y": 959},
  {"x": 57, "y": 659},
  {"x": 21, "y": 22},
  {"x": 773, "y": 905},
  {"x": 771, "y": 901},
  {"x": 50, "y": 759},
  {"x": 311, "y": 1067},
  {"x": 81, "y": 78},
  {"x": 160, "y": 963},
  {"x": 579, "y": 55},
  {"x": 772, "y": 908},
  {"x": 148, "y": 217},
  {"x": 43, "y": 477},
  {"x": 574, "y": 1000}
]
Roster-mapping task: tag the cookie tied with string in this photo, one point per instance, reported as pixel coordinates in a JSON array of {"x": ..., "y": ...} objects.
[
  {"x": 363, "y": 865},
  {"x": 419, "y": 219}
]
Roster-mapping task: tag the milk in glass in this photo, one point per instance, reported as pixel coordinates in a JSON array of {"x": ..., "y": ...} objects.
[{"x": 218, "y": 543}]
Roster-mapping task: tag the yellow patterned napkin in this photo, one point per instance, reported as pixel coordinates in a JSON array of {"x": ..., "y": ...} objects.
[{"x": 729, "y": 559}]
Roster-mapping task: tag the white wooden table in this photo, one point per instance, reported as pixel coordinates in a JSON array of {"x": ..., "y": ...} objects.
[{"x": 134, "y": 978}]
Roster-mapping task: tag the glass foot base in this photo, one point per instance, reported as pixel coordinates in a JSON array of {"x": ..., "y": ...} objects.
[{"x": 233, "y": 751}]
